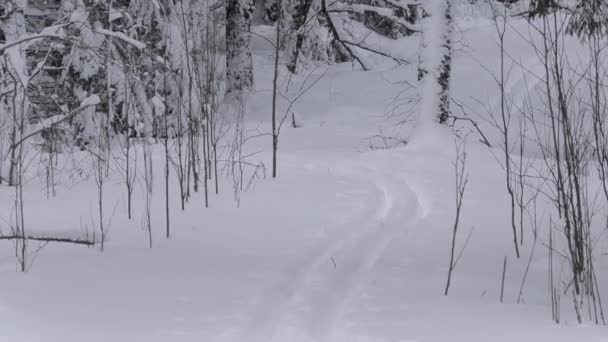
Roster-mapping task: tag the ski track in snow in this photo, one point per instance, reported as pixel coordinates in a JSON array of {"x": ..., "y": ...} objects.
[{"x": 309, "y": 305}]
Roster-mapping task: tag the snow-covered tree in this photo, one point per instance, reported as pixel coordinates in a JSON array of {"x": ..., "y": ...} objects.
[
  {"x": 590, "y": 18},
  {"x": 239, "y": 64},
  {"x": 306, "y": 36},
  {"x": 271, "y": 10},
  {"x": 391, "y": 19},
  {"x": 436, "y": 60},
  {"x": 14, "y": 76}
]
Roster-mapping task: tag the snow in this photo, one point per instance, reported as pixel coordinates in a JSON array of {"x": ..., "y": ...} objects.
[
  {"x": 115, "y": 14},
  {"x": 349, "y": 243},
  {"x": 385, "y": 12},
  {"x": 90, "y": 101},
  {"x": 119, "y": 35}
]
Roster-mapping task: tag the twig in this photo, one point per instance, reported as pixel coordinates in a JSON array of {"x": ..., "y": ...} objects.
[
  {"x": 484, "y": 140},
  {"x": 502, "y": 286},
  {"x": 397, "y": 60}
]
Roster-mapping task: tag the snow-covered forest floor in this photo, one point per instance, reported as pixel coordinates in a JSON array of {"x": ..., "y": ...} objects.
[{"x": 350, "y": 242}]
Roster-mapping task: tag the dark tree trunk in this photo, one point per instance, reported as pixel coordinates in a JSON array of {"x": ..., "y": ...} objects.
[
  {"x": 239, "y": 65},
  {"x": 299, "y": 15},
  {"x": 445, "y": 68}
]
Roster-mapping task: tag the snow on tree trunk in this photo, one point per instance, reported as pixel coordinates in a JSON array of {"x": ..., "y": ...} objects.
[
  {"x": 307, "y": 36},
  {"x": 445, "y": 68},
  {"x": 13, "y": 26},
  {"x": 239, "y": 65},
  {"x": 271, "y": 10},
  {"x": 436, "y": 62},
  {"x": 14, "y": 78},
  {"x": 296, "y": 13}
]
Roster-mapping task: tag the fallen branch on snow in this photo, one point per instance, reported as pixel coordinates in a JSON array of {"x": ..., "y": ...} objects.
[{"x": 49, "y": 239}]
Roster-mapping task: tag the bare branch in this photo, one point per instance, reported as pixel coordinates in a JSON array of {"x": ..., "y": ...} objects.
[{"x": 49, "y": 239}]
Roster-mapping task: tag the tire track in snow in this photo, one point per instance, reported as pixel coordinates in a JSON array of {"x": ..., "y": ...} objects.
[
  {"x": 276, "y": 307},
  {"x": 405, "y": 209},
  {"x": 313, "y": 302}
]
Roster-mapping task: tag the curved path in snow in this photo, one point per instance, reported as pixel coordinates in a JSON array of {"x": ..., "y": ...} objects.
[{"x": 308, "y": 306}]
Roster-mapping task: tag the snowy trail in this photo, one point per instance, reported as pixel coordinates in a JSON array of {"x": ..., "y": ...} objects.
[
  {"x": 309, "y": 305},
  {"x": 274, "y": 307},
  {"x": 402, "y": 211}
]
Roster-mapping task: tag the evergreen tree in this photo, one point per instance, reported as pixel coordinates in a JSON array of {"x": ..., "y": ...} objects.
[{"x": 590, "y": 18}]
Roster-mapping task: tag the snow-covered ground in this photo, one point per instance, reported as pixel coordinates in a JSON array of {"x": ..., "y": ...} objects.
[{"x": 349, "y": 243}]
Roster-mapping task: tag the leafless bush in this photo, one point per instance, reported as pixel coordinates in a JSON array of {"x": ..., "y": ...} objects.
[
  {"x": 148, "y": 188},
  {"x": 239, "y": 160},
  {"x": 461, "y": 180},
  {"x": 568, "y": 141},
  {"x": 503, "y": 123}
]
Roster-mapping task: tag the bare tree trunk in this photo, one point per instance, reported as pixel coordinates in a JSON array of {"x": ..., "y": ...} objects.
[
  {"x": 181, "y": 168},
  {"x": 99, "y": 162},
  {"x": 166, "y": 147},
  {"x": 21, "y": 247},
  {"x": 13, "y": 157},
  {"x": 502, "y": 283},
  {"x": 461, "y": 180},
  {"x": 275, "y": 137},
  {"x": 148, "y": 182},
  {"x": 128, "y": 175},
  {"x": 505, "y": 116}
]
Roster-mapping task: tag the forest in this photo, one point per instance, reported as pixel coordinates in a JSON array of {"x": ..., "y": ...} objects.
[{"x": 303, "y": 170}]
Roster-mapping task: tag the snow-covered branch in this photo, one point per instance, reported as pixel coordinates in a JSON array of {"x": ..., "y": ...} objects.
[
  {"x": 123, "y": 37},
  {"x": 58, "y": 119},
  {"x": 384, "y": 54},
  {"x": 387, "y": 13},
  {"x": 29, "y": 38},
  {"x": 336, "y": 34},
  {"x": 45, "y": 35}
]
